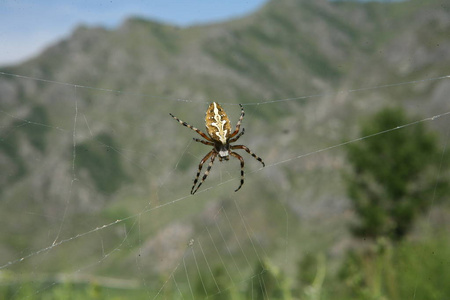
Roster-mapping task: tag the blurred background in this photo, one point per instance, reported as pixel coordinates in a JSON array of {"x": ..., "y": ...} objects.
[{"x": 345, "y": 101}]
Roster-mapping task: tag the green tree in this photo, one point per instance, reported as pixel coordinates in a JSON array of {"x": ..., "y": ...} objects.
[{"x": 393, "y": 175}]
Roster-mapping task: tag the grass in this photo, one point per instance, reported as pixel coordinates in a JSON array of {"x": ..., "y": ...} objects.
[{"x": 407, "y": 270}]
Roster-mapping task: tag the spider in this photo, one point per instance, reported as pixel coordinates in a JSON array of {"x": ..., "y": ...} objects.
[{"x": 220, "y": 137}]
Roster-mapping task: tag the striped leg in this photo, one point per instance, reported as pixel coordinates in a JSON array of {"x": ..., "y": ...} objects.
[
  {"x": 200, "y": 166},
  {"x": 242, "y": 169},
  {"x": 203, "y": 142},
  {"x": 214, "y": 154},
  {"x": 238, "y": 125},
  {"x": 192, "y": 127},
  {"x": 249, "y": 152},
  {"x": 237, "y": 137}
]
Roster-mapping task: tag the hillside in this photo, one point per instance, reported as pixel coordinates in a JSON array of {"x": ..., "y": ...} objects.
[{"x": 93, "y": 143}]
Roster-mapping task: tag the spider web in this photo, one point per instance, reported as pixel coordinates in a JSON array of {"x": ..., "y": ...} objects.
[
  {"x": 215, "y": 256},
  {"x": 176, "y": 244}
]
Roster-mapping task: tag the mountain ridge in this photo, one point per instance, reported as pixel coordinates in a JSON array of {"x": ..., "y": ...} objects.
[{"x": 100, "y": 154}]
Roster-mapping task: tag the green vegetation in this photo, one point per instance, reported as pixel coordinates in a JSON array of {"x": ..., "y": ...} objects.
[
  {"x": 393, "y": 177},
  {"x": 36, "y": 129},
  {"x": 102, "y": 161},
  {"x": 121, "y": 206},
  {"x": 33, "y": 130},
  {"x": 408, "y": 270},
  {"x": 267, "y": 282},
  {"x": 67, "y": 291}
]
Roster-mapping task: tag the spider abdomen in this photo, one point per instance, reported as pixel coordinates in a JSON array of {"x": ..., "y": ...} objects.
[{"x": 217, "y": 123}]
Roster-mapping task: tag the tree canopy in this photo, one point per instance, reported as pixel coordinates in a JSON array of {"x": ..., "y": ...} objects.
[{"x": 393, "y": 176}]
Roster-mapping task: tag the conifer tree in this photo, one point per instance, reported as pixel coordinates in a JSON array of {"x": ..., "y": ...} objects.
[{"x": 393, "y": 176}]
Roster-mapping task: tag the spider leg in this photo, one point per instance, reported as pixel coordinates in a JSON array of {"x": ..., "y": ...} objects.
[
  {"x": 249, "y": 152},
  {"x": 242, "y": 168},
  {"x": 238, "y": 125},
  {"x": 204, "y": 142},
  {"x": 237, "y": 137},
  {"x": 214, "y": 154},
  {"x": 192, "y": 127},
  {"x": 200, "y": 166}
]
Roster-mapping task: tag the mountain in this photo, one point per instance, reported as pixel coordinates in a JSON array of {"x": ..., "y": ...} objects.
[{"x": 86, "y": 139}]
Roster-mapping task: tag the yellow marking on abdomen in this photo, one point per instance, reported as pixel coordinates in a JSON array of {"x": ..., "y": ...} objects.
[
  {"x": 221, "y": 132},
  {"x": 217, "y": 123}
]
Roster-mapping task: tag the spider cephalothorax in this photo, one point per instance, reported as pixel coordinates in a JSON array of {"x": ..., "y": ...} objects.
[{"x": 220, "y": 137}]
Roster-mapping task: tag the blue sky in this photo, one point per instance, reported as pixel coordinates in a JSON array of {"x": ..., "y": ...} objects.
[{"x": 28, "y": 26}]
